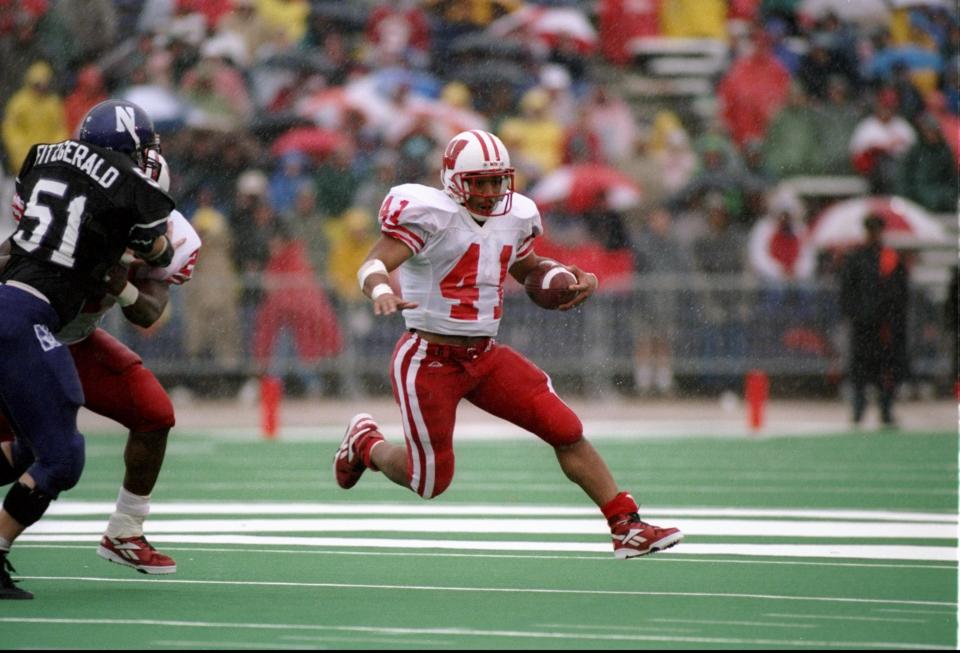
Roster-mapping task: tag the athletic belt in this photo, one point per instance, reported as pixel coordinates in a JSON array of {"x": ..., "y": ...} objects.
[{"x": 457, "y": 352}]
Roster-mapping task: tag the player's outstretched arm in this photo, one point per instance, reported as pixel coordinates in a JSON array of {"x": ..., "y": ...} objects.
[
  {"x": 386, "y": 255},
  {"x": 586, "y": 281},
  {"x": 151, "y": 302},
  {"x": 143, "y": 300}
]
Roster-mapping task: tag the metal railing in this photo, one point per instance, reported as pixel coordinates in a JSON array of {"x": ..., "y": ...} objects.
[{"x": 717, "y": 328}]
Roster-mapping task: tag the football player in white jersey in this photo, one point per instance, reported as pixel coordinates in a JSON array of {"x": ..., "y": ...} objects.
[
  {"x": 117, "y": 385},
  {"x": 454, "y": 248}
]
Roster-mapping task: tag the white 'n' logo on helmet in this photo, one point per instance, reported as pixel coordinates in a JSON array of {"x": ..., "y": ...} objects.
[{"x": 127, "y": 121}]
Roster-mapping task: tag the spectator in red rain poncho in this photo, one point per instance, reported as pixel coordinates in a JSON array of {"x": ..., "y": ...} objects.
[
  {"x": 753, "y": 90},
  {"x": 88, "y": 92},
  {"x": 294, "y": 300}
]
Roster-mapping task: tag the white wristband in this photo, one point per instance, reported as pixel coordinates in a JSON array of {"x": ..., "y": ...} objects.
[
  {"x": 128, "y": 296},
  {"x": 373, "y": 266},
  {"x": 380, "y": 290}
]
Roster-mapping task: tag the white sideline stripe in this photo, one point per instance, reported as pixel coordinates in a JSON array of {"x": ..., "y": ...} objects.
[
  {"x": 866, "y": 551},
  {"x": 608, "y": 628},
  {"x": 77, "y": 508},
  {"x": 846, "y": 618},
  {"x": 474, "y": 632},
  {"x": 595, "y": 526},
  {"x": 200, "y": 645},
  {"x": 604, "y": 557},
  {"x": 390, "y": 642},
  {"x": 721, "y": 622},
  {"x": 926, "y": 612},
  {"x": 493, "y": 590}
]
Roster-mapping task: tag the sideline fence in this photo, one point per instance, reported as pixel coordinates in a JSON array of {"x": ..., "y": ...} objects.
[{"x": 718, "y": 328}]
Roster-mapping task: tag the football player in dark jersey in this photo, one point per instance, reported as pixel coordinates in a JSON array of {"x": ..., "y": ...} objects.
[
  {"x": 117, "y": 385},
  {"x": 85, "y": 202}
]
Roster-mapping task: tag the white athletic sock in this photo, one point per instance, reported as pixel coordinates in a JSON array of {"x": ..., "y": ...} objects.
[
  {"x": 664, "y": 379},
  {"x": 5, "y": 545},
  {"x": 643, "y": 377},
  {"x": 127, "y": 519}
]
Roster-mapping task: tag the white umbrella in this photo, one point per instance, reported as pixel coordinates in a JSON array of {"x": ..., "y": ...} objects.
[
  {"x": 905, "y": 224},
  {"x": 160, "y": 103},
  {"x": 580, "y": 187},
  {"x": 899, "y": 4},
  {"x": 862, "y": 12},
  {"x": 446, "y": 120},
  {"x": 548, "y": 23}
]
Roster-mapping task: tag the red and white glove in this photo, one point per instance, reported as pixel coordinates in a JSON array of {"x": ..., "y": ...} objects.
[{"x": 18, "y": 207}]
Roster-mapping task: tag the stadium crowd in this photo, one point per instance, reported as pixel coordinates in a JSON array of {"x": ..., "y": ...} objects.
[{"x": 285, "y": 122}]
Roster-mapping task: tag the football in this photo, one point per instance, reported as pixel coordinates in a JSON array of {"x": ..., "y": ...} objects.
[{"x": 548, "y": 285}]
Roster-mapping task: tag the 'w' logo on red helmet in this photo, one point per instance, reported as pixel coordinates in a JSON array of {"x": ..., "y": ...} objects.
[{"x": 453, "y": 151}]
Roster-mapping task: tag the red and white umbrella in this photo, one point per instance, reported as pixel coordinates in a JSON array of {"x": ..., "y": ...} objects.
[
  {"x": 446, "y": 120},
  {"x": 550, "y": 24},
  {"x": 906, "y": 224},
  {"x": 581, "y": 187},
  {"x": 328, "y": 107},
  {"x": 309, "y": 140}
]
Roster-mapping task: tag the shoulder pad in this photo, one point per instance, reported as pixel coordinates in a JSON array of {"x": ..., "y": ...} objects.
[
  {"x": 411, "y": 213},
  {"x": 524, "y": 208},
  {"x": 425, "y": 196}
]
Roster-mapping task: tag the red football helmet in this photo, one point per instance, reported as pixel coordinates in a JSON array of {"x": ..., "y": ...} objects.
[
  {"x": 471, "y": 156},
  {"x": 155, "y": 167}
]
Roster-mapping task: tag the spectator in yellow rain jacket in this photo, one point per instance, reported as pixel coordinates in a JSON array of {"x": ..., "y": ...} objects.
[
  {"x": 35, "y": 114},
  {"x": 535, "y": 135},
  {"x": 694, "y": 19},
  {"x": 350, "y": 240},
  {"x": 290, "y": 16}
]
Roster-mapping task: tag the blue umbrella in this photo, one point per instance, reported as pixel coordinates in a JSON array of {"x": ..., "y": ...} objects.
[
  {"x": 420, "y": 83},
  {"x": 913, "y": 57}
]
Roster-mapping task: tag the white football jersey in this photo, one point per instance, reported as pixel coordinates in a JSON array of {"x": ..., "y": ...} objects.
[
  {"x": 458, "y": 266},
  {"x": 178, "y": 272},
  {"x": 180, "y": 269}
]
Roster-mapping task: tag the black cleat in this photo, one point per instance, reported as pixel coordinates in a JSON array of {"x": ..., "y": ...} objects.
[{"x": 8, "y": 586}]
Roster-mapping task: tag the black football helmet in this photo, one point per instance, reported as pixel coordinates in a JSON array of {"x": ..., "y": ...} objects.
[{"x": 121, "y": 126}]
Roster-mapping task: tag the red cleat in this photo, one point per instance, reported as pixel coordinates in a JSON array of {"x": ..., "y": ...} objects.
[
  {"x": 136, "y": 552},
  {"x": 348, "y": 464},
  {"x": 633, "y": 537}
]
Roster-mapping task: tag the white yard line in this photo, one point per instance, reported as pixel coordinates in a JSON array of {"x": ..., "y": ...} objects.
[
  {"x": 495, "y": 590},
  {"x": 599, "y": 557},
  {"x": 845, "y": 618},
  {"x": 720, "y": 622},
  {"x": 476, "y": 632},
  {"x": 926, "y": 612},
  {"x": 548, "y": 526},
  {"x": 201, "y": 644},
  {"x": 79, "y": 508},
  {"x": 846, "y": 551},
  {"x": 610, "y": 627},
  {"x": 385, "y": 642}
]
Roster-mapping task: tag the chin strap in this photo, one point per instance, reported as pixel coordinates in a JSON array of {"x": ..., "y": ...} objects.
[{"x": 471, "y": 214}]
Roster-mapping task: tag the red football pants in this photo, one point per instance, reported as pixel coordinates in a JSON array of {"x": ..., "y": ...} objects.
[
  {"x": 117, "y": 386},
  {"x": 429, "y": 381}
]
